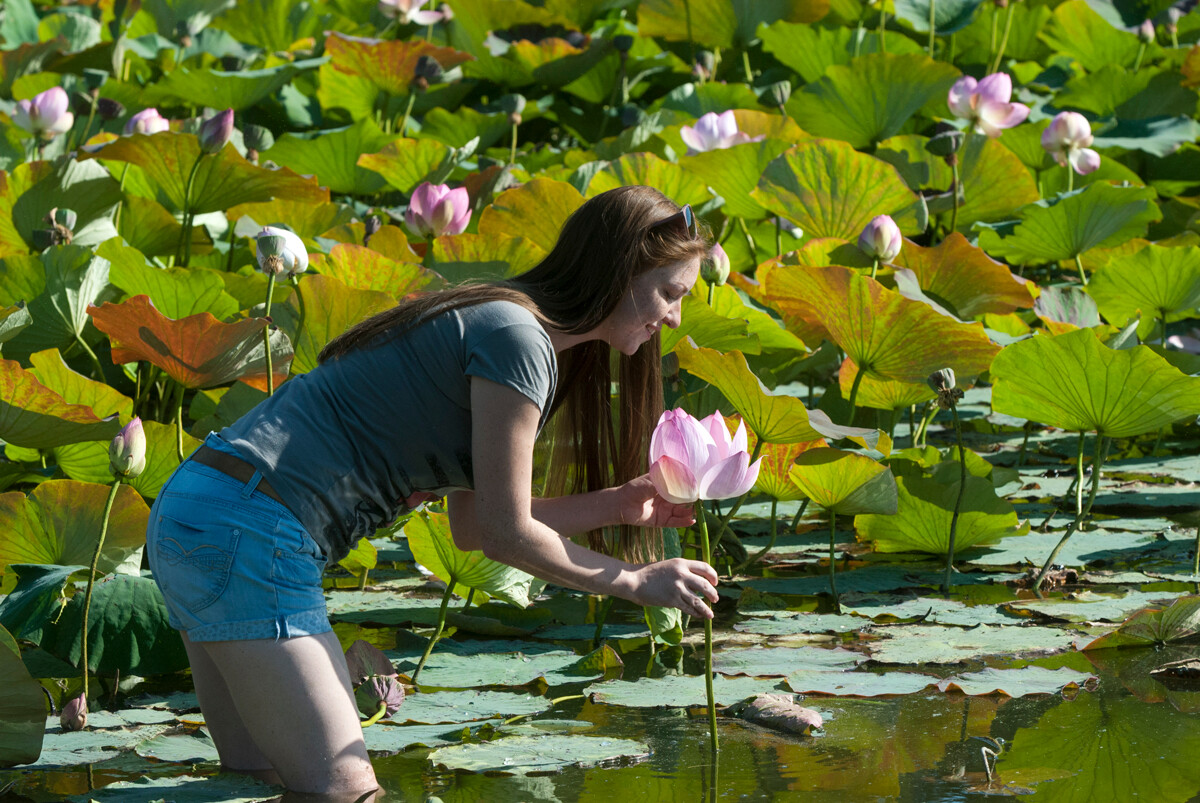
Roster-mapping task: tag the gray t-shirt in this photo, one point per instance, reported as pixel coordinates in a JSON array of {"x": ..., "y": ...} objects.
[{"x": 344, "y": 444}]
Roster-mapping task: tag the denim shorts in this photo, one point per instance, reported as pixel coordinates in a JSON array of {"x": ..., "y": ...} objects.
[{"x": 232, "y": 562}]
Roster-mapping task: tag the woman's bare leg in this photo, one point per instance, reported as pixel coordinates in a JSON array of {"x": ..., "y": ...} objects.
[{"x": 292, "y": 702}]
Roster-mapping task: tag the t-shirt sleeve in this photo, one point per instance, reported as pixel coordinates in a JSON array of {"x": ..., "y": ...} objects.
[{"x": 518, "y": 356}]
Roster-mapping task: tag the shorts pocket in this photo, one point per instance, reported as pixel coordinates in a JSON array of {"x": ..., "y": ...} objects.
[{"x": 193, "y": 564}]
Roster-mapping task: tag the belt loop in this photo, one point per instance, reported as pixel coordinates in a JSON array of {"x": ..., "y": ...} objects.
[{"x": 252, "y": 484}]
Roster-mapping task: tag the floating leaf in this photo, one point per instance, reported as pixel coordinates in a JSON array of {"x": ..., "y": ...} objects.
[
  {"x": 1074, "y": 382},
  {"x": 830, "y": 190},
  {"x": 463, "y": 257},
  {"x": 390, "y": 65},
  {"x": 858, "y": 684},
  {"x": 780, "y": 661},
  {"x": 198, "y": 351},
  {"x": 22, "y": 707},
  {"x": 845, "y": 483},
  {"x": 1017, "y": 682},
  {"x": 922, "y": 522},
  {"x": 964, "y": 278},
  {"x": 175, "y": 292},
  {"x": 721, "y": 24},
  {"x": 319, "y": 311},
  {"x": 433, "y": 546},
  {"x": 35, "y": 417},
  {"x": 544, "y": 753},
  {"x": 1160, "y": 284},
  {"x": 1180, "y": 621},
  {"x": 536, "y": 211},
  {"x": 1098, "y": 216},
  {"x": 362, "y": 268},
  {"x": 873, "y": 98},
  {"x": 1086, "y": 606},
  {"x": 433, "y": 708},
  {"x": 680, "y": 691},
  {"x": 933, "y": 644}
]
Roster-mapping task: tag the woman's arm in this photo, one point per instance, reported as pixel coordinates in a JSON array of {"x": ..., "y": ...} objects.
[{"x": 499, "y": 514}]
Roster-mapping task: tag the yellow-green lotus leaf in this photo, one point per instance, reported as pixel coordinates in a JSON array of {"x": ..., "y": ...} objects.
[
  {"x": 433, "y": 546},
  {"x": 536, "y": 211},
  {"x": 962, "y": 276},
  {"x": 1154, "y": 282},
  {"x": 845, "y": 483},
  {"x": 366, "y": 269}
]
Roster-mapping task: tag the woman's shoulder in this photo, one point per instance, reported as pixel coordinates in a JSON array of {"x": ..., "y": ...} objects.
[{"x": 497, "y": 314}]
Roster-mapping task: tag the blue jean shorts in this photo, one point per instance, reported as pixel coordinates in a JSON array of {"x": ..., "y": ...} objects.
[{"x": 232, "y": 562}]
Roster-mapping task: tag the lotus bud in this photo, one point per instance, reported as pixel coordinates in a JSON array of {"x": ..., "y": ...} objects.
[
  {"x": 715, "y": 269},
  {"x": 778, "y": 93},
  {"x": 1145, "y": 32},
  {"x": 47, "y": 115},
  {"x": 1067, "y": 139},
  {"x": 942, "y": 383},
  {"x": 147, "y": 121},
  {"x": 127, "y": 451},
  {"x": 706, "y": 64},
  {"x": 371, "y": 225},
  {"x": 623, "y": 43},
  {"x": 216, "y": 131},
  {"x": 74, "y": 714},
  {"x": 379, "y": 689},
  {"x": 280, "y": 252},
  {"x": 881, "y": 239},
  {"x": 364, "y": 660},
  {"x": 109, "y": 109}
]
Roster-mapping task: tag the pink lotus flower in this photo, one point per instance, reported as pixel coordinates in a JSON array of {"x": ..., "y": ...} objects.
[
  {"x": 436, "y": 210},
  {"x": 147, "y": 121},
  {"x": 881, "y": 239},
  {"x": 47, "y": 115},
  {"x": 692, "y": 459},
  {"x": 1067, "y": 139},
  {"x": 409, "y": 11},
  {"x": 987, "y": 104},
  {"x": 714, "y": 132}
]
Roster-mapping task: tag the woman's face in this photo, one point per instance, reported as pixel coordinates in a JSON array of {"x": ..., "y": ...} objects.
[{"x": 653, "y": 301}]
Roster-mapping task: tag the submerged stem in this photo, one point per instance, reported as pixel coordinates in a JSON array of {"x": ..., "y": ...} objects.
[
  {"x": 962, "y": 486},
  {"x": 837, "y": 606},
  {"x": 437, "y": 633},
  {"x": 708, "y": 638}
]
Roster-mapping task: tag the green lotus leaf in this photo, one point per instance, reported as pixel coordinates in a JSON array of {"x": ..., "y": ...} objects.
[
  {"x": 536, "y": 211},
  {"x": 22, "y": 707},
  {"x": 537, "y": 753},
  {"x": 1065, "y": 308},
  {"x": 949, "y": 16},
  {"x": 307, "y": 220},
  {"x": 647, "y": 169},
  {"x": 1053, "y": 179},
  {"x": 676, "y": 691},
  {"x": 175, "y": 292},
  {"x": 858, "y": 684},
  {"x": 198, "y": 351},
  {"x": 994, "y": 185},
  {"x": 1087, "y": 606},
  {"x": 333, "y": 156},
  {"x": 811, "y": 49},
  {"x": 1172, "y": 175},
  {"x": 1158, "y": 136},
  {"x": 830, "y": 190},
  {"x": 1116, "y": 91},
  {"x": 235, "y": 403},
  {"x": 433, "y": 546},
  {"x": 346, "y": 97},
  {"x": 721, "y": 24},
  {"x": 74, "y": 278},
  {"x": 1076, "y": 30},
  {"x": 935, "y": 644},
  {"x": 322, "y": 309},
  {"x": 922, "y": 522},
  {"x": 31, "y": 190},
  {"x": 362, "y": 268},
  {"x": 774, "y": 419},
  {"x": 474, "y": 20},
  {"x": 707, "y": 328},
  {"x": 389, "y": 65},
  {"x": 1074, "y": 382},
  {"x": 1160, "y": 284},
  {"x": 1097, "y": 216},
  {"x": 734, "y": 172},
  {"x": 1017, "y": 682},
  {"x": 974, "y": 44},
  {"x": 26, "y": 58},
  {"x": 219, "y": 89},
  {"x": 882, "y": 394},
  {"x": 13, "y": 320},
  {"x": 773, "y": 477},
  {"x": 35, "y": 417},
  {"x": 361, "y": 559},
  {"x": 845, "y": 483},
  {"x": 457, "y": 128},
  {"x": 222, "y": 180},
  {"x": 873, "y": 98},
  {"x": 59, "y": 523},
  {"x": 711, "y": 96},
  {"x": 781, "y": 661},
  {"x": 405, "y": 163},
  {"x": 128, "y": 629},
  {"x": 964, "y": 278},
  {"x": 772, "y": 338},
  {"x": 52, "y": 371},
  {"x": 553, "y": 61},
  {"x": 824, "y": 251},
  {"x": 463, "y": 257},
  {"x": 37, "y": 597},
  {"x": 146, "y": 225},
  {"x": 1180, "y": 621},
  {"x": 275, "y": 25}
]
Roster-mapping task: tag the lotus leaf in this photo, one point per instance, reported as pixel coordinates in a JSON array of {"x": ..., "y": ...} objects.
[
  {"x": 433, "y": 708},
  {"x": 405, "y": 163},
  {"x": 1086, "y": 606},
  {"x": 74, "y": 278},
  {"x": 274, "y": 25},
  {"x": 1098, "y": 216},
  {"x": 182, "y": 748},
  {"x": 830, "y": 190},
  {"x": 719, "y": 24},
  {"x": 873, "y": 98},
  {"x": 526, "y": 754},
  {"x": 845, "y": 483},
  {"x": 230, "y": 788},
  {"x": 824, "y": 251},
  {"x": 22, "y": 709},
  {"x": 220, "y": 89},
  {"x": 462, "y": 257},
  {"x": 1066, "y": 308},
  {"x": 322, "y": 309},
  {"x": 922, "y": 523},
  {"x": 646, "y": 168},
  {"x": 147, "y": 226},
  {"x": 881, "y": 394},
  {"x": 780, "y": 661},
  {"x": 362, "y": 268},
  {"x": 32, "y": 189},
  {"x": 948, "y": 16},
  {"x": 1017, "y": 682},
  {"x": 13, "y": 320},
  {"x": 781, "y": 624},
  {"x": 933, "y": 644},
  {"x": 773, "y": 477},
  {"x": 198, "y": 351},
  {"x": 33, "y": 416},
  {"x": 681, "y": 691},
  {"x": 707, "y": 328},
  {"x": 772, "y": 337},
  {"x": 1074, "y": 382},
  {"x": 60, "y": 520},
  {"x": 964, "y": 278},
  {"x": 811, "y": 49},
  {"x": 734, "y": 172},
  {"x": 1180, "y": 621},
  {"x": 448, "y": 670},
  {"x": 307, "y": 220},
  {"x": 1157, "y": 284},
  {"x": 858, "y": 684},
  {"x": 222, "y": 180},
  {"x": 175, "y": 292},
  {"x": 536, "y": 211},
  {"x": 433, "y": 547},
  {"x": 388, "y": 65},
  {"x": 895, "y": 608},
  {"x": 389, "y": 241},
  {"x": 332, "y": 156},
  {"x": 1076, "y": 30}
]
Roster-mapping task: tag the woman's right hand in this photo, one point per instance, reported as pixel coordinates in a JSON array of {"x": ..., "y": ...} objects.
[{"x": 677, "y": 583}]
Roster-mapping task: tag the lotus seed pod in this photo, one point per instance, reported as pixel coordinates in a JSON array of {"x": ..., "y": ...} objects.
[
  {"x": 127, "y": 451},
  {"x": 109, "y": 109},
  {"x": 778, "y": 93},
  {"x": 623, "y": 43},
  {"x": 942, "y": 380},
  {"x": 280, "y": 252},
  {"x": 257, "y": 137}
]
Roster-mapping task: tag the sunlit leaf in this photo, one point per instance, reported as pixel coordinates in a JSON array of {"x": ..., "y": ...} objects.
[
  {"x": 1017, "y": 682},
  {"x": 492, "y": 255},
  {"x": 1074, "y": 382},
  {"x": 646, "y": 168},
  {"x": 388, "y": 64},
  {"x": 830, "y": 190},
  {"x": 811, "y": 49},
  {"x": 323, "y": 308},
  {"x": 1066, "y": 307},
  {"x": 147, "y": 226},
  {"x": 1161, "y": 284},
  {"x": 308, "y": 220},
  {"x": 13, "y": 319},
  {"x": 1076, "y": 30},
  {"x": 964, "y": 277},
  {"x": 949, "y": 16},
  {"x": 433, "y": 546},
  {"x": 362, "y": 268},
  {"x": 934, "y": 644},
  {"x": 175, "y": 292},
  {"x": 774, "y": 479},
  {"x": 537, "y": 753},
  {"x": 536, "y": 211},
  {"x": 734, "y": 172},
  {"x": 1180, "y": 621},
  {"x": 331, "y": 155},
  {"x": 873, "y": 98},
  {"x": 22, "y": 707},
  {"x": 845, "y": 483},
  {"x": 405, "y": 163},
  {"x": 882, "y": 394},
  {"x": 198, "y": 351},
  {"x": 33, "y": 416},
  {"x": 31, "y": 190},
  {"x": 221, "y": 89},
  {"x": 74, "y": 278},
  {"x": 721, "y": 24}
]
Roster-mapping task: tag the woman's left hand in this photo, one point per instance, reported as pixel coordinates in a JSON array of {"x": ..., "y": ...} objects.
[{"x": 640, "y": 505}]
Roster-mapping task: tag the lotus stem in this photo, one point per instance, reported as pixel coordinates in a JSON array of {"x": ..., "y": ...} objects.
[
  {"x": 437, "y": 633},
  {"x": 1163, "y": 318},
  {"x": 1082, "y": 274},
  {"x": 708, "y": 638},
  {"x": 932, "y": 25},
  {"x": 87, "y": 595},
  {"x": 992, "y": 38},
  {"x": 427, "y": 259},
  {"x": 862, "y": 370},
  {"x": 601, "y": 616},
  {"x": 837, "y": 605},
  {"x": 179, "y": 423},
  {"x": 96, "y": 365},
  {"x": 1196, "y": 555},
  {"x": 1008, "y": 15},
  {"x": 379, "y": 714},
  {"x": 746, "y": 66},
  {"x": 882, "y": 28},
  {"x": 86, "y": 126},
  {"x": 926, "y": 417},
  {"x": 779, "y": 223},
  {"x": 962, "y": 487},
  {"x": 185, "y": 233},
  {"x": 874, "y": 267},
  {"x": 469, "y": 600},
  {"x": 362, "y": 581},
  {"x": 121, "y": 192},
  {"x": 512, "y": 154},
  {"x": 749, "y": 240},
  {"x": 954, "y": 191},
  {"x": 859, "y": 34},
  {"x": 799, "y": 514},
  {"x": 412, "y": 99},
  {"x": 1137, "y": 62},
  {"x": 1070, "y": 178},
  {"x": 711, "y": 291},
  {"x": 749, "y": 562},
  {"x": 267, "y": 333},
  {"x": 1024, "y": 444},
  {"x": 1082, "y": 511}
]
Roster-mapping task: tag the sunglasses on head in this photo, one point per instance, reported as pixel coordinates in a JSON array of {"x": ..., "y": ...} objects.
[{"x": 684, "y": 220}]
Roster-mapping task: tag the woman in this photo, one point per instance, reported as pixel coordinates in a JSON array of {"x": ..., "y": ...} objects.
[{"x": 443, "y": 395}]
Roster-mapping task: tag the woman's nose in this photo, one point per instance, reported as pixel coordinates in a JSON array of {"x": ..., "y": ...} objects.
[{"x": 674, "y": 316}]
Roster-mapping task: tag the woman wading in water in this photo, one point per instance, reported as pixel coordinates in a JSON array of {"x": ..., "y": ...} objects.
[{"x": 442, "y": 395}]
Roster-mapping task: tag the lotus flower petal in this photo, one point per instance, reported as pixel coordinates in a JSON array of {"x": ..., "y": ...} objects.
[
  {"x": 1084, "y": 160},
  {"x": 995, "y": 117},
  {"x": 959, "y": 99},
  {"x": 715, "y": 426},
  {"x": 674, "y": 481},
  {"x": 731, "y": 477},
  {"x": 994, "y": 88},
  {"x": 681, "y": 437}
]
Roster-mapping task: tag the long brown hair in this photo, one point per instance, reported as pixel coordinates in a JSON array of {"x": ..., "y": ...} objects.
[{"x": 604, "y": 244}]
